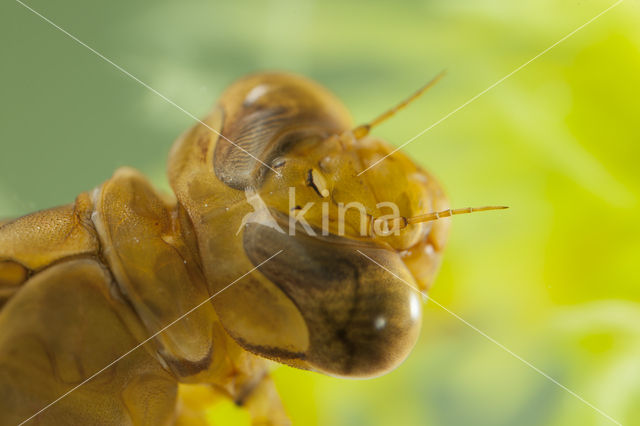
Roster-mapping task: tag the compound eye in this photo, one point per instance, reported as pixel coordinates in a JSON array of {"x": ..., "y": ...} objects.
[
  {"x": 265, "y": 116},
  {"x": 361, "y": 320}
]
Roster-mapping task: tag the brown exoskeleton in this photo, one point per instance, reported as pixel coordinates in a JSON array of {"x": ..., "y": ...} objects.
[{"x": 115, "y": 272}]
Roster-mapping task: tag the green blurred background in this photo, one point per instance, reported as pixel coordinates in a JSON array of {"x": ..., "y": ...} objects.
[{"x": 556, "y": 278}]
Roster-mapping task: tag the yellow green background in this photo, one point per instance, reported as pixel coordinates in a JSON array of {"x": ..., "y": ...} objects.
[{"x": 555, "y": 279}]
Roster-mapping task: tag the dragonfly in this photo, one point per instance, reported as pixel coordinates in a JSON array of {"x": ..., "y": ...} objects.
[{"x": 130, "y": 306}]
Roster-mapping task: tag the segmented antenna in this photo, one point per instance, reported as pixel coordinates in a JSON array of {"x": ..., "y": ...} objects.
[
  {"x": 363, "y": 130},
  {"x": 429, "y": 217},
  {"x": 402, "y": 222}
]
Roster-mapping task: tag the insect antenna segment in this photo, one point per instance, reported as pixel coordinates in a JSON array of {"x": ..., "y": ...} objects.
[
  {"x": 429, "y": 217},
  {"x": 364, "y": 129},
  {"x": 402, "y": 222}
]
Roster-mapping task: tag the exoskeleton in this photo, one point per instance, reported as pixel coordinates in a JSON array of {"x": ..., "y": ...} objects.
[{"x": 200, "y": 287}]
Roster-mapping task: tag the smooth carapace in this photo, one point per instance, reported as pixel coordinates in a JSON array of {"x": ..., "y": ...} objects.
[{"x": 265, "y": 227}]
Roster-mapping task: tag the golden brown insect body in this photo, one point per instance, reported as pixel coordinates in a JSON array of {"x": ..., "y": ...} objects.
[{"x": 83, "y": 284}]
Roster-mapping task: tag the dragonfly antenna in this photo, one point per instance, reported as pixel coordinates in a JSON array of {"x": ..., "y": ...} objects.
[{"x": 364, "y": 129}]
